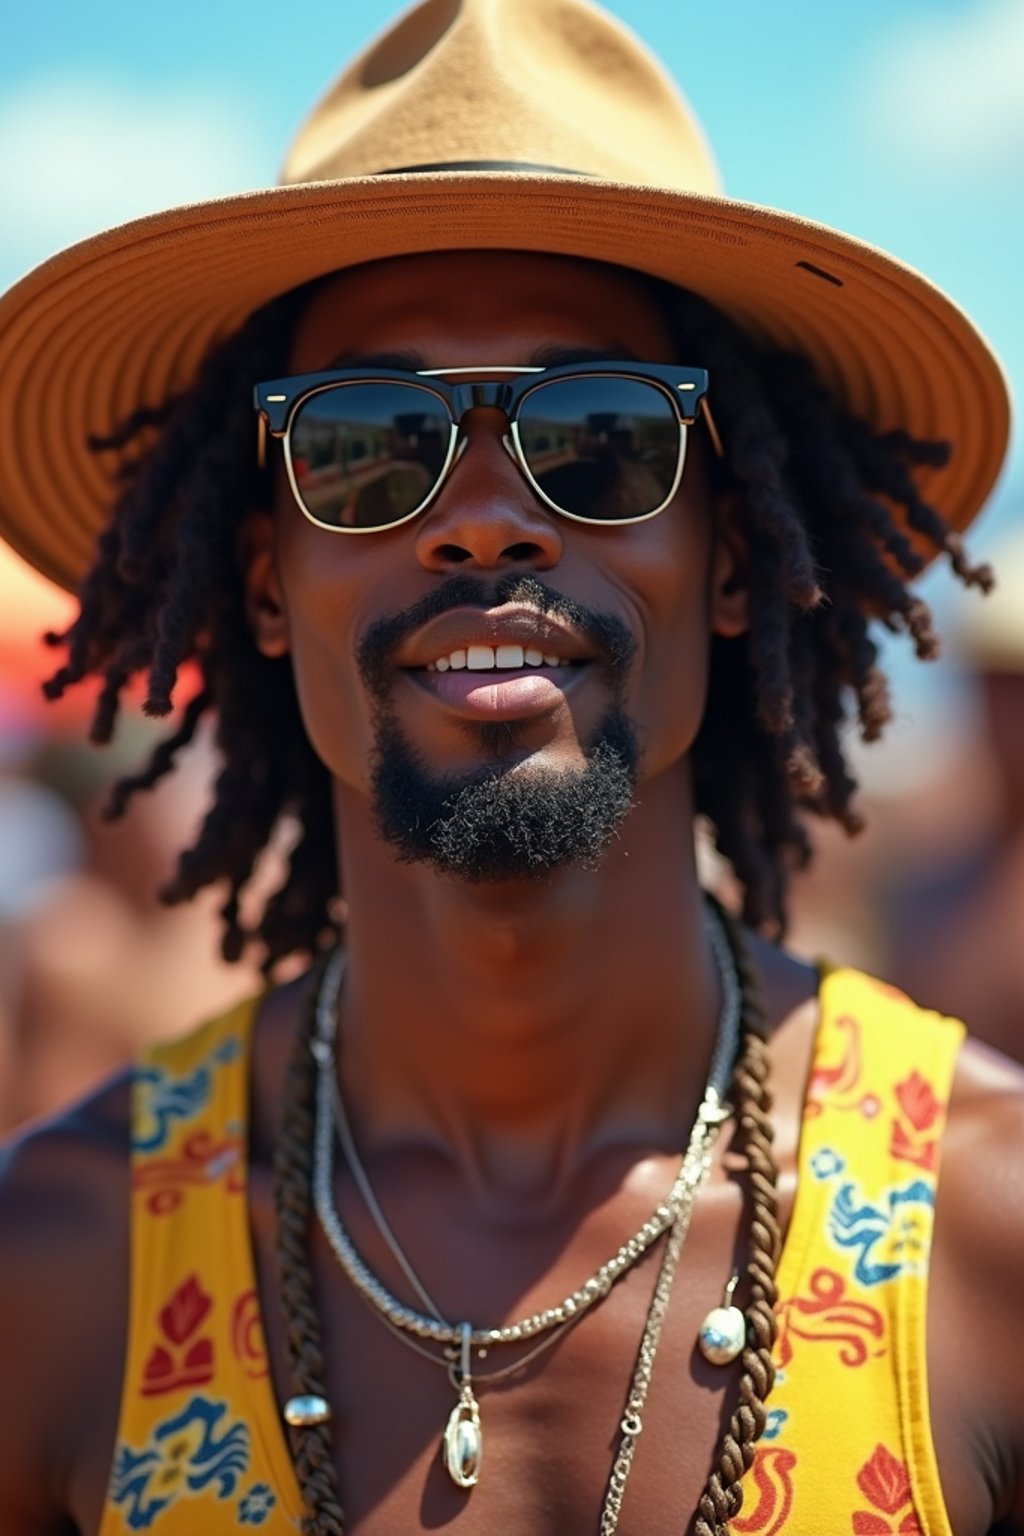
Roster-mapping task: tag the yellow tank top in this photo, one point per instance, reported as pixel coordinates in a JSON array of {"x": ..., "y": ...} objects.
[{"x": 200, "y": 1444}]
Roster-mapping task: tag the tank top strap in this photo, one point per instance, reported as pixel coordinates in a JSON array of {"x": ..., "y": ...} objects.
[
  {"x": 848, "y": 1443},
  {"x": 199, "y": 1446}
]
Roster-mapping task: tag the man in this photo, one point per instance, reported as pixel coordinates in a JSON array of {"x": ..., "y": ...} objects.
[{"x": 492, "y": 435}]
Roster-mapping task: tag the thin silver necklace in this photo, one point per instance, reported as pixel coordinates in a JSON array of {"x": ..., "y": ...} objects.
[{"x": 462, "y": 1444}]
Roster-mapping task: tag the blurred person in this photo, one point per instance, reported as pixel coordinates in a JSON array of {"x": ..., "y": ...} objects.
[
  {"x": 491, "y": 706},
  {"x": 955, "y": 930},
  {"x": 78, "y": 902},
  {"x": 92, "y": 965}
]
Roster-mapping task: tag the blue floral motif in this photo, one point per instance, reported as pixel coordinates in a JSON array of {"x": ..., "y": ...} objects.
[
  {"x": 888, "y": 1238},
  {"x": 256, "y": 1505},
  {"x": 826, "y": 1163},
  {"x": 186, "y": 1455},
  {"x": 130, "y": 1483},
  {"x": 164, "y": 1098},
  {"x": 775, "y": 1423}
]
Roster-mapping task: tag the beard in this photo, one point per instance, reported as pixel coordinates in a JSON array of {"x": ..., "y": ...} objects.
[{"x": 507, "y": 820}]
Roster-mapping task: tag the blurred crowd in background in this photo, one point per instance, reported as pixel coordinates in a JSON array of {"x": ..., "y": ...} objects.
[
  {"x": 930, "y": 896},
  {"x": 91, "y": 963}
]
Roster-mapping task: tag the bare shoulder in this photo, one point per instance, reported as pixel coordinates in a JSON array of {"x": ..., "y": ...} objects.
[
  {"x": 982, "y": 1184},
  {"x": 63, "y": 1304},
  {"x": 976, "y": 1347}
]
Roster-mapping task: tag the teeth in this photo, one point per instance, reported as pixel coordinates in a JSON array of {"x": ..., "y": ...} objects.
[{"x": 486, "y": 658}]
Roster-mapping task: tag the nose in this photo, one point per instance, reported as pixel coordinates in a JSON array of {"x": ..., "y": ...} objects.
[{"x": 487, "y": 516}]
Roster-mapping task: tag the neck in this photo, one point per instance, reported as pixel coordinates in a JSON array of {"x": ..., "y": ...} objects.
[{"x": 522, "y": 1028}]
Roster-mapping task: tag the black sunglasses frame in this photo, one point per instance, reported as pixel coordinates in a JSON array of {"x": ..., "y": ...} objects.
[{"x": 278, "y": 400}]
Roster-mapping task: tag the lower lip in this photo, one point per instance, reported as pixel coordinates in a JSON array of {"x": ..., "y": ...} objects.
[{"x": 499, "y": 695}]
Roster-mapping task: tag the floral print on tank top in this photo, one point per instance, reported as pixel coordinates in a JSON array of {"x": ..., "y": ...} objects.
[{"x": 847, "y": 1448}]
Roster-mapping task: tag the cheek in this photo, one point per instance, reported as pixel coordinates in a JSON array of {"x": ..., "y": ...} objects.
[
  {"x": 669, "y": 684},
  {"x": 321, "y": 585}
]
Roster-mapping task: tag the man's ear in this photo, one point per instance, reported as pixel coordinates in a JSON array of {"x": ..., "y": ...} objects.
[
  {"x": 264, "y": 597},
  {"x": 730, "y": 571}
]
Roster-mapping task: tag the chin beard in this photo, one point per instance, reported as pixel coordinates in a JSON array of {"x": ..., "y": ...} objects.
[{"x": 507, "y": 821}]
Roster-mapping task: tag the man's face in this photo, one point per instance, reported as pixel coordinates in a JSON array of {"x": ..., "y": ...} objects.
[{"x": 631, "y": 609}]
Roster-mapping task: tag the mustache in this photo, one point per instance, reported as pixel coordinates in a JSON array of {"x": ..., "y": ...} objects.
[{"x": 604, "y": 631}]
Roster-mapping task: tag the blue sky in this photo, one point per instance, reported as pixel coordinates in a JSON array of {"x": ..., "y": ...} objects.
[{"x": 901, "y": 121}]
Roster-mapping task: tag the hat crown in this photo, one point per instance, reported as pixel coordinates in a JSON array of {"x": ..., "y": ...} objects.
[{"x": 491, "y": 84}]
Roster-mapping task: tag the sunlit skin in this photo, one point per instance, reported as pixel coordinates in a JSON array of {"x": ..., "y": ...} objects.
[{"x": 521, "y": 1060}]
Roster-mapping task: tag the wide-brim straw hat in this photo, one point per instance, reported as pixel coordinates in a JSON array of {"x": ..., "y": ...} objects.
[{"x": 538, "y": 125}]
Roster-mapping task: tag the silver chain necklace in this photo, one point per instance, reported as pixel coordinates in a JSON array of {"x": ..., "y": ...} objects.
[{"x": 462, "y": 1443}]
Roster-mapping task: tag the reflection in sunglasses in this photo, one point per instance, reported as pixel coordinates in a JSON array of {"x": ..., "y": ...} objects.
[{"x": 601, "y": 446}]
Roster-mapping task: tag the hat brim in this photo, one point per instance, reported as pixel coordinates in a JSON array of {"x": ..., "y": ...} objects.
[{"x": 124, "y": 319}]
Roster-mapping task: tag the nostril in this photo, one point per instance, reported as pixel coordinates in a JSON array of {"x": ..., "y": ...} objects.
[
  {"x": 454, "y": 554},
  {"x": 523, "y": 551}
]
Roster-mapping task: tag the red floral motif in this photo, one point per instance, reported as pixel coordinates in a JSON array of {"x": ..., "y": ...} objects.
[
  {"x": 828, "y": 1316},
  {"x": 247, "y": 1337},
  {"x": 885, "y": 1483},
  {"x": 185, "y": 1311},
  {"x": 838, "y": 1082},
  {"x": 203, "y": 1160},
  {"x": 178, "y": 1363},
  {"x": 919, "y": 1110},
  {"x": 842, "y": 1076},
  {"x": 770, "y": 1477},
  {"x": 917, "y": 1100}
]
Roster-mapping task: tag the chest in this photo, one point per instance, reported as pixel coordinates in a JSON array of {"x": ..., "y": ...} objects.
[{"x": 551, "y": 1430}]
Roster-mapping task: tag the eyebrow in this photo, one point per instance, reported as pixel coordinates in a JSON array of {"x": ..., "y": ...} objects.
[
  {"x": 411, "y": 362},
  {"x": 563, "y": 356},
  {"x": 551, "y": 356}
]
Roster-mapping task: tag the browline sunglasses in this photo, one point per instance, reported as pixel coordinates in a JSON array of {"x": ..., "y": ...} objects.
[{"x": 598, "y": 442}]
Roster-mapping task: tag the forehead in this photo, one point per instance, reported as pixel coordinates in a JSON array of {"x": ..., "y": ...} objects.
[{"x": 455, "y": 308}]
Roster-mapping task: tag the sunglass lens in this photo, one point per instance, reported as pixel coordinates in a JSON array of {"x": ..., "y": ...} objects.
[
  {"x": 366, "y": 455},
  {"x": 601, "y": 447}
]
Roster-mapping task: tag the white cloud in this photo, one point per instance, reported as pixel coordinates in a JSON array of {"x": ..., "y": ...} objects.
[
  {"x": 80, "y": 153},
  {"x": 945, "y": 94}
]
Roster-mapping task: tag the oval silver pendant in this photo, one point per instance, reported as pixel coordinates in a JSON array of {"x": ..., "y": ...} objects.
[
  {"x": 723, "y": 1334},
  {"x": 463, "y": 1446}
]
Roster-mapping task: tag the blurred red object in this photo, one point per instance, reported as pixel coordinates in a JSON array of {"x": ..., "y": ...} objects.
[{"x": 29, "y": 607}]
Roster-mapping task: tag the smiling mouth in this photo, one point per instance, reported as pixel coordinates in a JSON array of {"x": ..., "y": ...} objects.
[
  {"x": 480, "y": 682},
  {"x": 505, "y": 663},
  {"x": 497, "y": 658}
]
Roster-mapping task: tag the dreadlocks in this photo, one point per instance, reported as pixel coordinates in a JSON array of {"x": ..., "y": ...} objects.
[{"x": 824, "y": 504}]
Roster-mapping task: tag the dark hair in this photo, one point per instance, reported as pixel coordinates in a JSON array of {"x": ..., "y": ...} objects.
[{"x": 826, "y": 503}]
